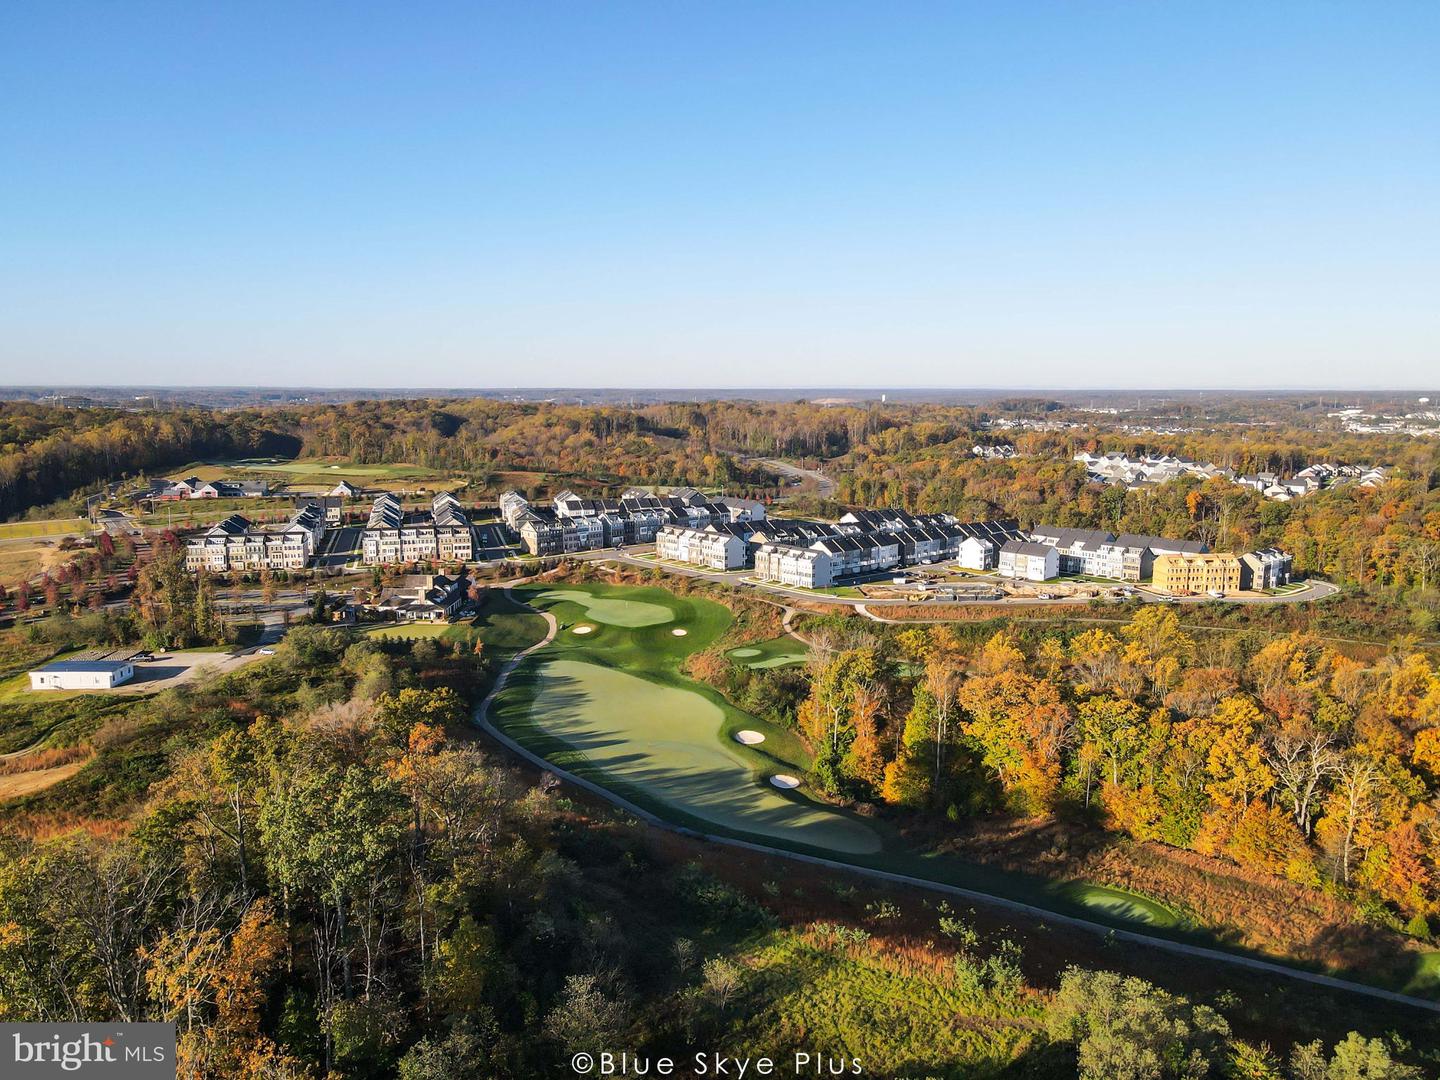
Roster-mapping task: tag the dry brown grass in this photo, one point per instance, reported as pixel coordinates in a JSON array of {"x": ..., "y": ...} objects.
[
  {"x": 27, "y": 783},
  {"x": 43, "y": 759}
]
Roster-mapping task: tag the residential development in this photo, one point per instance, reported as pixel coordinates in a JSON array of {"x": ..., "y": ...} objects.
[
  {"x": 1212, "y": 572},
  {"x": 238, "y": 544},
  {"x": 394, "y": 535}
]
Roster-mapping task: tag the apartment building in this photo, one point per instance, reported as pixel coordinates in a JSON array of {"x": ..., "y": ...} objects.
[
  {"x": 708, "y": 547},
  {"x": 238, "y": 544},
  {"x": 394, "y": 535},
  {"x": 799, "y": 567},
  {"x": 1210, "y": 572},
  {"x": 1097, "y": 553},
  {"x": 1026, "y": 560},
  {"x": 1268, "y": 568},
  {"x": 575, "y": 523},
  {"x": 866, "y": 553}
]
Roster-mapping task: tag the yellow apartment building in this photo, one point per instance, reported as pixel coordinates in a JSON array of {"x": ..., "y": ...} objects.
[{"x": 1216, "y": 571}]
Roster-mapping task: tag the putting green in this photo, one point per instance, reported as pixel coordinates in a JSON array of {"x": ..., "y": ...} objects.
[
  {"x": 1119, "y": 904},
  {"x": 775, "y": 652},
  {"x": 668, "y": 742},
  {"x": 610, "y": 610}
]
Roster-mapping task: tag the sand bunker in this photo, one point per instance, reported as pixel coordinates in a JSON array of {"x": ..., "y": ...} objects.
[
  {"x": 785, "y": 781},
  {"x": 679, "y": 631},
  {"x": 583, "y": 630},
  {"x": 749, "y": 738}
]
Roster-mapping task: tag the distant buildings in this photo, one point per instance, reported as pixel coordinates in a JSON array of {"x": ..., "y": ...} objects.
[
  {"x": 192, "y": 487},
  {"x": 394, "y": 535},
  {"x": 1192, "y": 573},
  {"x": 238, "y": 544},
  {"x": 1000, "y": 450},
  {"x": 1124, "y": 557},
  {"x": 1144, "y": 471},
  {"x": 1314, "y": 478},
  {"x": 573, "y": 523}
]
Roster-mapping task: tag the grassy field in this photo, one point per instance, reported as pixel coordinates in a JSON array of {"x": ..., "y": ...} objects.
[
  {"x": 776, "y": 652},
  {"x": 19, "y": 530},
  {"x": 504, "y": 628},
  {"x": 327, "y": 472},
  {"x": 25, "y": 558},
  {"x": 611, "y": 703}
]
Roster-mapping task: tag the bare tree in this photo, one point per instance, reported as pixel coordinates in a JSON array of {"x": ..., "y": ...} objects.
[{"x": 1301, "y": 760}]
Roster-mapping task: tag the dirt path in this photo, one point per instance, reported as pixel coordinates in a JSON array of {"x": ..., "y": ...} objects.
[{"x": 15, "y": 785}]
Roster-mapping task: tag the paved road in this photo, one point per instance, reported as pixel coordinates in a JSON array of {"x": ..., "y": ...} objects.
[
  {"x": 482, "y": 720},
  {"x": 824, "y": 486}
]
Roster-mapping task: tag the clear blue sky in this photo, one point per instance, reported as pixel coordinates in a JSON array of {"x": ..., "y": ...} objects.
[{"x": 720, "y": 194}]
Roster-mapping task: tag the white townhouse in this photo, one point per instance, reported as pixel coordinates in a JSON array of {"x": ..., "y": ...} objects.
[
  {"x": 394, "y": 536},
  {"x": 977, "y": 554},
  {"x": 237, "y": 544},
  {"x": 803, "y": 568},
  {"x": 701, "y": 547},
  {"x": 1025, "y": 560}
]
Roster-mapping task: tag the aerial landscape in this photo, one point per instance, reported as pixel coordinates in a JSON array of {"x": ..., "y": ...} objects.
[{"x": 739, "y": 541}]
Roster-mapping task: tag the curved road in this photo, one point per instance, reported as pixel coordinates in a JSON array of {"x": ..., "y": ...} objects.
[{"x": 482, "y": 721}]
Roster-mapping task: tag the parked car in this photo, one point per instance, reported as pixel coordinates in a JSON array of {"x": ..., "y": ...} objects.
[{"x": 1216, "y": 594}]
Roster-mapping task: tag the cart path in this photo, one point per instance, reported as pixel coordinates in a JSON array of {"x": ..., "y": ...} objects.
[{"x": 1329, "y": 982}]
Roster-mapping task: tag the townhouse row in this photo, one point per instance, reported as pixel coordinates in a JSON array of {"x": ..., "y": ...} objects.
[
  {"x": 239, "y": 544},
  {"x": 396, "y": 535}
]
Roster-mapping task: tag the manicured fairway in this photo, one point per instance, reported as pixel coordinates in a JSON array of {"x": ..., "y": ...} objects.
[
  {"x": 667, "y": 741},
  {"x": 613, "y": 705},
  {"x": 613, "y": 611}
]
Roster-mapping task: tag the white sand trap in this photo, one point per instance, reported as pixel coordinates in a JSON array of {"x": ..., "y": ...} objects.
[
  {"x": 749, "y": 738},
  {"x": 582, "y": 630},
  {"x": 679, "y": 631},
  {"x": 785, "y": 781}
]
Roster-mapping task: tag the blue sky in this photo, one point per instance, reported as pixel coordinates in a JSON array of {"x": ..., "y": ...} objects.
[{"x": 725, "y": 194}]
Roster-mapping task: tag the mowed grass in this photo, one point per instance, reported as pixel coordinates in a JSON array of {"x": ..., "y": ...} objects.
[
  {"x": 1120, "y": 904},
  {"x": 312, "y": 471},
  {"x": 20, "y": 530},
  {"x": 613, "y": 705},
  {"x": 668, "y": 742},
  {"x": 775, "y": 652}
]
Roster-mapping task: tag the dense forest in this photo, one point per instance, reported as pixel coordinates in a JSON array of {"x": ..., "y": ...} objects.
[
  {"x": 314, "y": 871},
  {"x": 47, "y": 452},
  {"x": 1281, "y": 755}
]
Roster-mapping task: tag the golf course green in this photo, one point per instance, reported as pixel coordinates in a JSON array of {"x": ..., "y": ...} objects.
[
  {"x": 667, "y": 740},
  {"x": 776, "y": 652},
  {"x": 613, "y": 611},
  {"x": 1119, "y": 904},
  {"x": 613, "y": 705}
]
